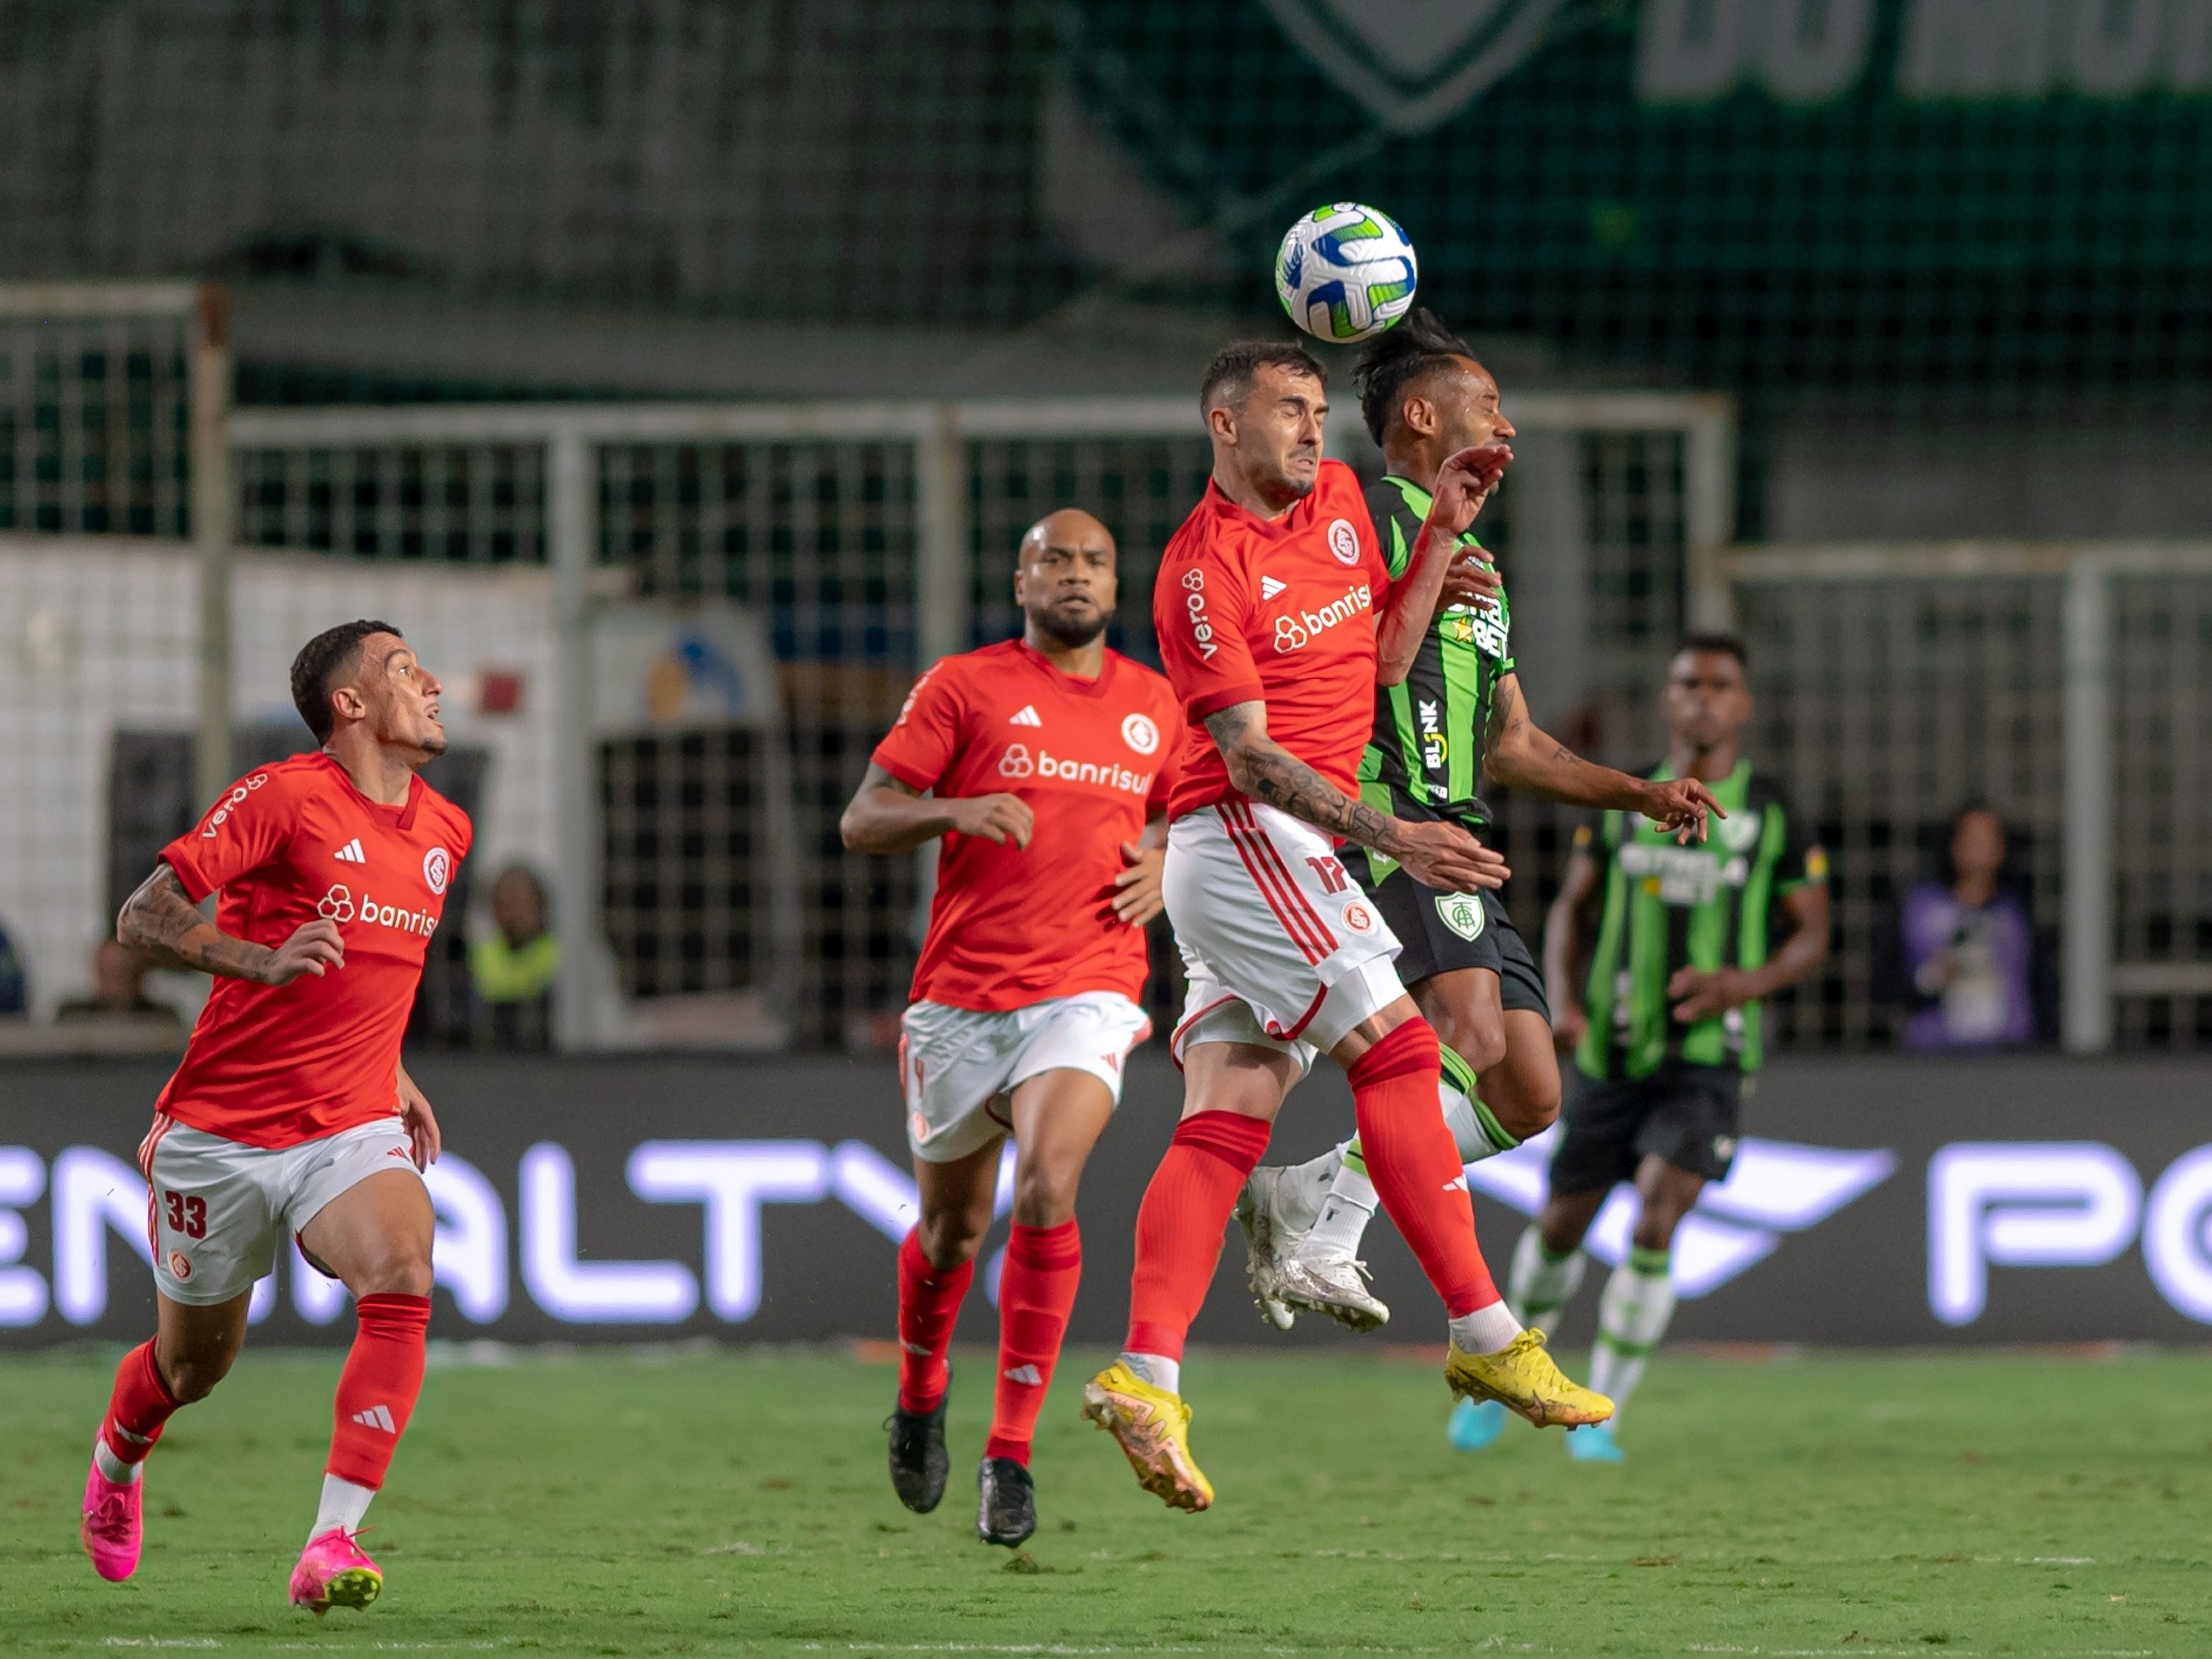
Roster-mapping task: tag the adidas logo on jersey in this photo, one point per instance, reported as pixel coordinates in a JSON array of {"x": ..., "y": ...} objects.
[
  {"x": 377, "y": 1417},
  {"x": 351, "y": 853},
  {"x": 1027, "y": 716},
  {"x": 1269, "y": 588}
]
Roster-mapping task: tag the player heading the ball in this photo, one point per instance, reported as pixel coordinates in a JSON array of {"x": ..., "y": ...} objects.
[
  {"x": 1276, "y": 618},
  {"x": 1050, "y": 758},
  {"x": 291, "y": 1116}
]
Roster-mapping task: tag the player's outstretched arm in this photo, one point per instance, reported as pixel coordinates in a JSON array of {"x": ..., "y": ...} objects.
[
  {"x": 1568, "y": 929},
  {"x": 1699, "y": 994},
  {"x": 1516, "y": 752},
  {"x": 1441, "y": 855},
  {"x": 1463, "y": 484},
  {"x": 888, "y": 815},
  {"x": 160, "y": 922}
]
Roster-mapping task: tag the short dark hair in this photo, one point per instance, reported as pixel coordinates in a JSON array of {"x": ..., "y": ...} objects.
[
  {"x": 1398, "y": 357},
  {"x": 1229, "y": 376},
  {"x": 321, "y": 662},
  {"x": 1726, "y": 645}
]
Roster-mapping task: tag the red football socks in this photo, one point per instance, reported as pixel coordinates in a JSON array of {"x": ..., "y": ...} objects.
[
  {"x": 928, "y": 1306},
  {"x": 1415, "y": 1166},
  {"x": 1180, "y": 1224},
  {"x": 1036, "y": 1292},
  {"x": 377, "y": 1390},
  {"x": 139, "y": 1407}
]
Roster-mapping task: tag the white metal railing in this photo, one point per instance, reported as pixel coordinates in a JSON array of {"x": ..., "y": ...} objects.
[{"x": 2091, "y": 737}]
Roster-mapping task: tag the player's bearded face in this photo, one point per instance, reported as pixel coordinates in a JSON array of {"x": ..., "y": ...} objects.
[
  {"x": 1279, "y": 433},
  {"x": 403, "y": 704},
  {"x": 1070, "y": 601}
]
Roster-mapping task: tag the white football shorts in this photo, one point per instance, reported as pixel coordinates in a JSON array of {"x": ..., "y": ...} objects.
[
  {"x": 217, "y": 1210},
  {"x": 1282, "y": 949},
  {"x": 959, "y": 1067}
]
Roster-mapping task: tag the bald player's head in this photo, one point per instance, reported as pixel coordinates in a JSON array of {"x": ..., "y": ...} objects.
[{"x": 1064, "y": 579}]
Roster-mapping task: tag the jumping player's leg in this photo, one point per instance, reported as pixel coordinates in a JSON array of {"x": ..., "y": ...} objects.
[
  {"x": 1518, "y": 1094},
  {"x": 1058, "y": 1116},
  {"x": 192, "y": 1350},
  {"x": 374, "y": 1237},
  {"x": 1231, "y": 1093}
]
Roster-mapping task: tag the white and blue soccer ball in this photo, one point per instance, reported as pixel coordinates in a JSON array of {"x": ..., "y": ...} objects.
[{"x": 1346, "y": 272}]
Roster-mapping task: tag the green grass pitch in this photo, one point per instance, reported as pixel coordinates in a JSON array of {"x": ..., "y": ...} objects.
[{"x": 632, "y": 1503}]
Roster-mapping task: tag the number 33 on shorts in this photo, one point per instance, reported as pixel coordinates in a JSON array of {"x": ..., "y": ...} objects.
[{"x": 187, "y": 1214}]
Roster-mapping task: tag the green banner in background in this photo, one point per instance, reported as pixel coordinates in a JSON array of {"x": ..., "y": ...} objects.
[{"x": 1754, "y": 191}]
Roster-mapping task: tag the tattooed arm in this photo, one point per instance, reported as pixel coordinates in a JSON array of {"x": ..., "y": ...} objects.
[
  {"x": 160, "y": 922},
  {"x": 1435, "y": 855},
  {"x": 1518, "y": 753}
]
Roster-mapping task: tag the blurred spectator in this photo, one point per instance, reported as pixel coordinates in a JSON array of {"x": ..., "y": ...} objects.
[
  {"x": 118, "y": 990},
  {"x": 1967, "y": 944},
  {"x": 15, "y": 982},
  {"x": 513, "y": 969}
]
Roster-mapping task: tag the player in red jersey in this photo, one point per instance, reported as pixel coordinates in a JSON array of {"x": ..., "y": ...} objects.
[
  {"x": 291, "y": 1113},
  {"x": 1051, "y": 759},
  {"x": 1277, "y": 618}
]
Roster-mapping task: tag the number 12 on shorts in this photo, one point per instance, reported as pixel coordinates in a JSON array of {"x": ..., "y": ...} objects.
[{"x": 187, "y": 1216}]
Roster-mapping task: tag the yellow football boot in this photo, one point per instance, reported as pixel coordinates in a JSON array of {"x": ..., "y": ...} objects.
[
  {"x": 1521, "y": 1377},
  {"x": 1153, "y": 1429}
]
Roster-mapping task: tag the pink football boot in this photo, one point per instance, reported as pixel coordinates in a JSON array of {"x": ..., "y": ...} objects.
[
  {"x": 112, "y": 1525},
  {"x": 334, "y": 1573}
]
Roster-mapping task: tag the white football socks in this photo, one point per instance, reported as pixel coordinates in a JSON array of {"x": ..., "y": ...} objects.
[
  {"x": 1632, "y": 1316},
  {"x": 112, "y": 1468},
  {"x": 1156, "y": 1369},
  {"x": 1540, "y": 1284},
  {"x": 1487, "y": 1330},
  {"x": 1345, "y": 1213},
  {"x": 344, "y": 1505}
]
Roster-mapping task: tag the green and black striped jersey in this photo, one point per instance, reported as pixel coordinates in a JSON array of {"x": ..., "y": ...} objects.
[
  {"x": 1424, "y": 759},
  {"x": 1667, "y": 907}
]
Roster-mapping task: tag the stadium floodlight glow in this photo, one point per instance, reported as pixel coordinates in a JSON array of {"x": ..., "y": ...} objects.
[
  {"x": 22, "y": 1290},
  {"x": 2177, "y": 1234},
  {"x": 468, "y": 1253},
  {"x": 874, "y": 1188},
  {"x": 733, "y": 1179},
  {"x": 2022, "y": 1203},
  {"x": 589, "y": 1292},
  {"x": 93, "y": 1193},
  {"x": 264, "y": 1301}
]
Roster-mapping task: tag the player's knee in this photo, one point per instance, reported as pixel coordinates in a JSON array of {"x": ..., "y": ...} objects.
[
  {"x": 1523, "y": 1113},
  {"x": 950, "y": 1239},
  {"x": 1043, "y": 1198},
  {"x": 1562, "y": 1228},
  {"x": 1655, "y": 1227},
  {"x": 401, "y": 1269},
  {"x": 193, "y": 1376}
]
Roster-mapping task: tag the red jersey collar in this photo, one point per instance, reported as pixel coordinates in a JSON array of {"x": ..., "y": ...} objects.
[
  {"x": 1300, "y": 515},
  {"x": 406, "y": 812},
  {"x": 1060, "y": 677}
]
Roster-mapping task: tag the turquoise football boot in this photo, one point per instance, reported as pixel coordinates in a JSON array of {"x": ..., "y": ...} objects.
[
  {"x": 1474, "y": 1424},
  {"x": 1594, "y": 1443}
]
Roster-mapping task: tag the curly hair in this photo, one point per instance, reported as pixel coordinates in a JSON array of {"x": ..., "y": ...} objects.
[{"x": 1396, "y": 359}]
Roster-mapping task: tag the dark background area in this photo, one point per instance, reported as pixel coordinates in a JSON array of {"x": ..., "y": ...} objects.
[{"x": 1858, "y": 1277}]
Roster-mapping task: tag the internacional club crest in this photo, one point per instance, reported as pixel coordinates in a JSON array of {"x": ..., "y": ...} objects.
[
  {"x": 1140, "y": 734},
  {"x": 1416, "y": 64},
  {"x": 437, "y": 868}
]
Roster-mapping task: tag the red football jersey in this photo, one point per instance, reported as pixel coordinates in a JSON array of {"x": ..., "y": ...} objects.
[
  {"x": 276, "y": 1066},
  {"x": 1278, "y": 610},
  {"x": 1093, "y": 759}
]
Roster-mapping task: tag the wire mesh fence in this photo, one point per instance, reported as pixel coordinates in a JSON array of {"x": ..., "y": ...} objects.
[{"x": 95, "y": 415}]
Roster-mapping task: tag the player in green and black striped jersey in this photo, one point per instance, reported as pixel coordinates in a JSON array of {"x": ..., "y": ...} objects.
[
  {"x": 1457, "y": 720},
  {"x": 1665, "y": 1018}
]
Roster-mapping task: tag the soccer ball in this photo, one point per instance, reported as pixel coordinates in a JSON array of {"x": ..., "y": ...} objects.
[{"x": 1346, "y": 272}]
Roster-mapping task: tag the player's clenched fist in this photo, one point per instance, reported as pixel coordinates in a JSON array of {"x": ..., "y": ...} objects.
[
  {"x": 1443, "y": 856},
  {"x": 1137, "y": 889},
  {"x": 995, "y": 819},
  {"x": 314, "y": 947}
]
